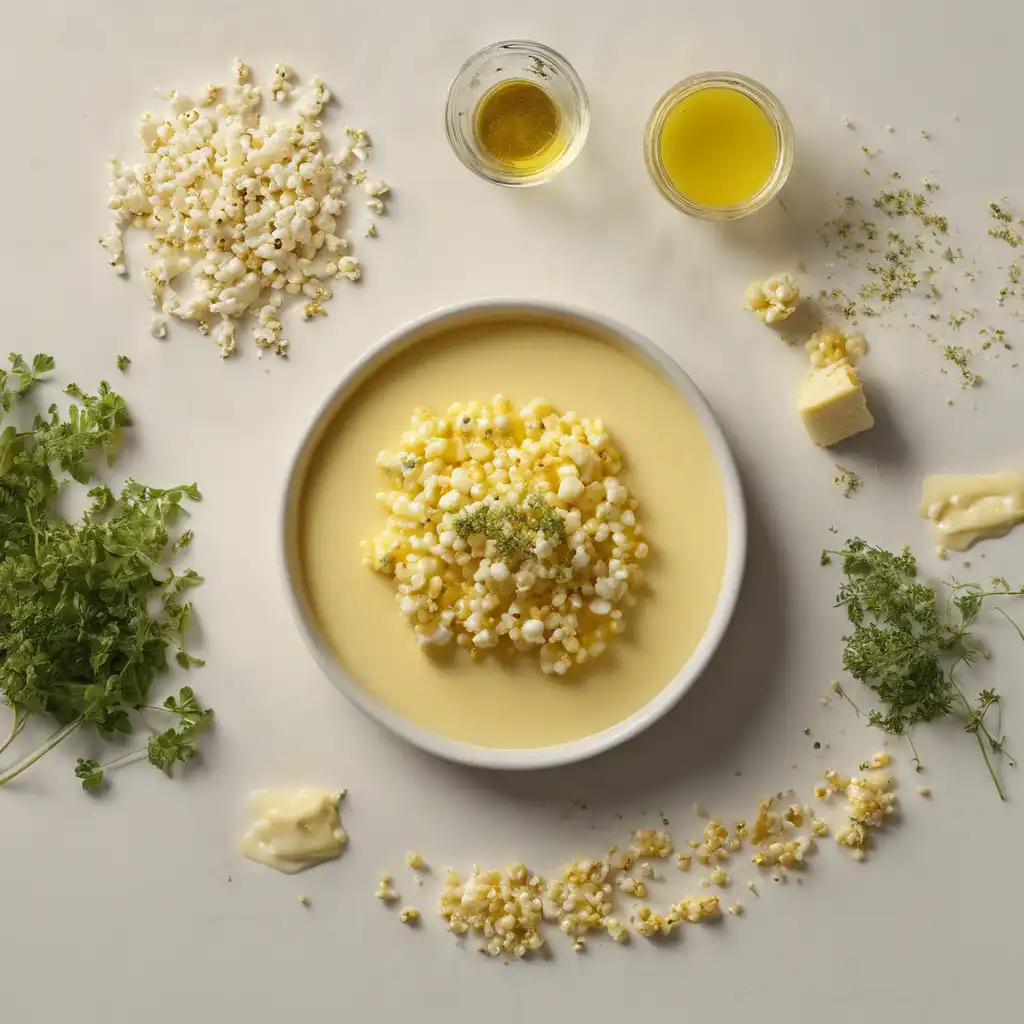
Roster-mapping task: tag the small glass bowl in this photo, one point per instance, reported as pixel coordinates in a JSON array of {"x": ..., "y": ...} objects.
[
  {"x": 773, "y": 110},
  {"x": 500, "y": 62}
]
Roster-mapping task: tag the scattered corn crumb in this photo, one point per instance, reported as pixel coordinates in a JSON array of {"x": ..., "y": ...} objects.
[
  {"x": 647, "y": 842},
  {"x": 831, "y": 345},
  {"x": 773, "y": 299},
  {"x": 736, "y": 909},
  {"x": 924, "y": 790},
  {"x": 384, "y": 889}
]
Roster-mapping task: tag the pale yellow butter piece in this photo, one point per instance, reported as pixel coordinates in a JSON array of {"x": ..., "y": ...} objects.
[
  {"x": 832, "y": 405},
  {"x": 964, "y": 509},
  {"x": 293, "y": 829}
]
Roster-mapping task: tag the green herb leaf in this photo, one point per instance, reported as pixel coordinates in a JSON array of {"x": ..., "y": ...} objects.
[
  {"x": 90, "y": 772},
  {"x": 906, "y": 647},
  {"x": 88, "y": 610}
]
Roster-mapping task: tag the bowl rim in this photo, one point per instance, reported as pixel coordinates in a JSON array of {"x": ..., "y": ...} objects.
[{"x": 459, "y": 751}]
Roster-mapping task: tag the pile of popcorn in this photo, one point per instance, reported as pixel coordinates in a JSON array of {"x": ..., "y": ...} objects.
[
  {"x": 510, "y": 528},
  {"x": 242, "y": 209}
]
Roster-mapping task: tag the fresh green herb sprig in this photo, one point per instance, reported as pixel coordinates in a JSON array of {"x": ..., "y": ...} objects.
[
  {"x": 178, "y": 743},
  {"x": 88, "y": 609},
  {"x": 908, "y": 646}
]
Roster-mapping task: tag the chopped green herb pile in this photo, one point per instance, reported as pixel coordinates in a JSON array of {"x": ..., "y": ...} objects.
[
  {"x": 88, "y": 609},
  {"x": 847, "y": 481},
  {"x": 512, "y": 527},
  {"x": 907, "y": 647},
  {"x": 959, "y": 357}
]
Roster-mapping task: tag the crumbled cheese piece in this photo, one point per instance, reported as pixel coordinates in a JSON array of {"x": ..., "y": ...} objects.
[
  {"x": 408, "y": 914},
  {"x": 240, "y": 206},
  {"x": 830, "y": 345},
  {"x": 384, "y": 890},
  {"x": 832, "y": 405},
  {"x": 414, "y": 859},
  {"x": 774, "y": 299},
  {"x": 510, "y": 528}
]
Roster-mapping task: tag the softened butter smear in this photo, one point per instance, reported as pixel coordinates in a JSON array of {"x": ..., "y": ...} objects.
[
  {"x": 964, "y": 509},
  {"x": 294, "y": 829}
]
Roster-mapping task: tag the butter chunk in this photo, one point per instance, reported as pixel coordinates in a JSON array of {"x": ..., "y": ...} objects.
[{"x": 832, "y": 405}]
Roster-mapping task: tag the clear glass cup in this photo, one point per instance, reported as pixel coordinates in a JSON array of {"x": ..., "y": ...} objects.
[
  {"x": 772, "y": 109},
  {"x": 501, "y": 62}
]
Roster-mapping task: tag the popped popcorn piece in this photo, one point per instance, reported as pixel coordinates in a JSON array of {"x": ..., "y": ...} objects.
[
  {"x": 774, "y": 299},
  {"x": 831, "y": 345},
  {"x": 414, "y": 860},
  {"x": 510, "y": 528},
  {"x": 407, "y": 915},
  {"x": 384, "y": 889},
  {"x": 648, "y": 842},
  {"x": 870, "y": 801},
  {"x": 240, "y": 206}
]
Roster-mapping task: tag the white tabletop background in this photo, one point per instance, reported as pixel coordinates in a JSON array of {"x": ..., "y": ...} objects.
[{"x": 134, "y": 905}]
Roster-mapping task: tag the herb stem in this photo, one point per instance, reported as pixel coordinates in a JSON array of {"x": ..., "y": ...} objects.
[
  {"x": 991, "y": 770},
  {"x": 26, "y": 762},
  {"x": 17, "y": 724}
]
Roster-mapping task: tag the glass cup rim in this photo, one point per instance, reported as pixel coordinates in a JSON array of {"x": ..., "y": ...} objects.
[
  {"x": 580, "y": 102},
  {"x": 769, "y": 104}
]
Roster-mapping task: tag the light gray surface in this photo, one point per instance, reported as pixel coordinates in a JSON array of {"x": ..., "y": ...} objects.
[{"x": 121, "y": 907}]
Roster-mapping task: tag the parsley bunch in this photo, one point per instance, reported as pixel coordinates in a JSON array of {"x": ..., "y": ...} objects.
[
  {"x": 907, "y": 646},
  {"x": 88, "y": 609}
]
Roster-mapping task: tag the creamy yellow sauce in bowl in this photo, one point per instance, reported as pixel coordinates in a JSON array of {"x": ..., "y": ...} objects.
[{"x": 503, "y": 711}]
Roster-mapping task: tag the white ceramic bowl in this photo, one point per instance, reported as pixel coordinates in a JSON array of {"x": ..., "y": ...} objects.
[{"x": 538, "y": 757}]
